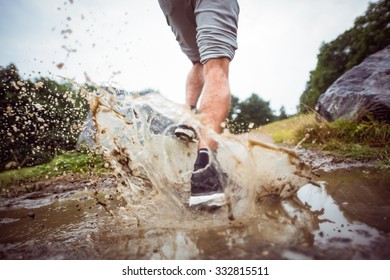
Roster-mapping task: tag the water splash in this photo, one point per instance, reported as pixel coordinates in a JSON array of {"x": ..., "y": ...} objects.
[{"x": 136, "y": 134}]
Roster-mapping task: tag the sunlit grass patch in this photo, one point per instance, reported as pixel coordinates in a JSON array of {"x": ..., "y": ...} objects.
[
  {"x": 284, "y": 132},
  {"x": 347, "y": 139}
]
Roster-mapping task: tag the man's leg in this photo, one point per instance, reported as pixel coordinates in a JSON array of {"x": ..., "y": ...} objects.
[
  {"x": 216, "y": 22},
  {"x": 206, "y": 180},
  {"x": 194, "y": 84},
  {"x": 215, "y": 102},
  {"x": 206, "y": 31},
  {"x": 213, "y": 80}
]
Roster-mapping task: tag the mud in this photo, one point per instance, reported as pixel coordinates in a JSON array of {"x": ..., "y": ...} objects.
[{"x": 345, "y": 218}]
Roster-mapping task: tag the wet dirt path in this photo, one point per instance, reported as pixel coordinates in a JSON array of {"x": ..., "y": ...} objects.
[{"x": 346, "y": 217}]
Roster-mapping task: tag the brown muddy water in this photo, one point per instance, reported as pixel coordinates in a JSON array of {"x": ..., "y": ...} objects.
[
  {"x": 277, "y": 208},
  {"x": 346, "y": 217}
]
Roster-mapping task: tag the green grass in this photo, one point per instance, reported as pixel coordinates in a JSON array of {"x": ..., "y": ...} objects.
[
  {"x": 345, "y": 139},
  {"x": 68, "y": 162},
  {"x": 284, "y": 132}
]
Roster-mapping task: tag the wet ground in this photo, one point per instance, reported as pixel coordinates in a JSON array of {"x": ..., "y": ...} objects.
[{"x": 345, "y": 217}]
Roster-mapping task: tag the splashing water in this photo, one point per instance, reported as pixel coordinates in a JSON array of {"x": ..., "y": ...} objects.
[{"x": 136, "y": 135}]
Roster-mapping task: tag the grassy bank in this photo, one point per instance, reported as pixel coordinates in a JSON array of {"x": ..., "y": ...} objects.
[
  {"x": 343, "y": 139},
  {"x": 65, "y": 163}
]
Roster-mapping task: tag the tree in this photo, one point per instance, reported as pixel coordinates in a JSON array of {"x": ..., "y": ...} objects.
[
  {"x": 282, "y": 113},
  {"x": 249, "y": 114}
]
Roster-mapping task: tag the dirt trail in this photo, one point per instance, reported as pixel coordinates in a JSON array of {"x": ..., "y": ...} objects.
[{"x": 70, "y": 218}]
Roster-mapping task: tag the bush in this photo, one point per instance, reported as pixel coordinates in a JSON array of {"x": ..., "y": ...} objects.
[{"x": 39, "y": 118}]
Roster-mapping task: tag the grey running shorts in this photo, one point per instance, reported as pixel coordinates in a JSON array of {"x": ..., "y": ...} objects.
[{"x": 205, "y": 29}]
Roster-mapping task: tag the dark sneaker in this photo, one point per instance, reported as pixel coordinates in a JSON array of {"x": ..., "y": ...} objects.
[
  {"x": 186, "y": 133},
  {"x": 206, "y": 188}
]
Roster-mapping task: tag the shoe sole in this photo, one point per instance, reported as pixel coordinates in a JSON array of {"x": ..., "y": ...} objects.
[
  {"x": 213, "y": 200},
  {"x": 185, "y": 135}
]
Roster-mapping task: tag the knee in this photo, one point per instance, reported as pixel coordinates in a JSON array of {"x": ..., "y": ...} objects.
[{"x": 217, "y": 68}]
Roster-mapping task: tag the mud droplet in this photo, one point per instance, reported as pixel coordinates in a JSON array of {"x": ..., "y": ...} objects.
[
  {"x": 66, "y": 31},
  {"x": 11, "y": 165},
  {"x": 39, "y": 85},
  {"x": 31, "y": 215}
]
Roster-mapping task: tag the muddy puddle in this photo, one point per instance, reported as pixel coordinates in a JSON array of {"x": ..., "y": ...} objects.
[
  {"x": 278, "y": 206},
  {"x": 346, "y": 217}
]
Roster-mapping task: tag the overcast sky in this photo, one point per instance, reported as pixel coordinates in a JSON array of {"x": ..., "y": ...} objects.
[{"x": 127, "y": 43}]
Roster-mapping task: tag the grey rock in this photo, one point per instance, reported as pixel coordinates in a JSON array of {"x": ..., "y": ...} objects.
[{"x": 361, "y": 93}]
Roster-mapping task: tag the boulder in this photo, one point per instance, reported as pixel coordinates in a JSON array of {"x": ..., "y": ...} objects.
[{"x": 361, "y": 93}]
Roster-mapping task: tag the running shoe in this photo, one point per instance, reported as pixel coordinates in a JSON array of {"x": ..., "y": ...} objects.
[{"x": 206, "y": 188}]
